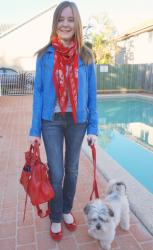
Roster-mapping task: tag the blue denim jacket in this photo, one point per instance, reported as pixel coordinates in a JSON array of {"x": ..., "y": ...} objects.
[{"x": 44, "y": 98}]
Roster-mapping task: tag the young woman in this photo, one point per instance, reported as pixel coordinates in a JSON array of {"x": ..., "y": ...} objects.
[{"x": 64, "y": 108}]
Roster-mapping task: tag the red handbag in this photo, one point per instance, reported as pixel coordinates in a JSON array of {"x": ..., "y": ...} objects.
[{"x": 35, "y": 180}]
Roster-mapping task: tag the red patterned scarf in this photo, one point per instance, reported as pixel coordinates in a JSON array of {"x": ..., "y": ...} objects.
[{"x": 65, "y": 74}]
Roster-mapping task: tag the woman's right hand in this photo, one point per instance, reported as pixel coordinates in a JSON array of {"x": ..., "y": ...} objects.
[{"x": 32, "y": 140}]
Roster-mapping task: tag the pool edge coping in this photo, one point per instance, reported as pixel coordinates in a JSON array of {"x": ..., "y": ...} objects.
[{"x": 143, "y": 96}]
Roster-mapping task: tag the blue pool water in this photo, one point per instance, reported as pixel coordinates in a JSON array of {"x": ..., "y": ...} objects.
[{"x": 126, "y": 133}]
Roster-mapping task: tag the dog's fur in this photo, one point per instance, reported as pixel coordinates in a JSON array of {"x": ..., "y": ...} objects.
[{"x": 105, "y": 215}]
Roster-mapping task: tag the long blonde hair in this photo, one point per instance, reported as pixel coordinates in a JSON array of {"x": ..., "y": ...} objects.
[{"x": 85, "y": 53}]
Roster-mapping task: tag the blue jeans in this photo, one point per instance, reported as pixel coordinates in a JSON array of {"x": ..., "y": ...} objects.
[{"x": 63, "y": 170}]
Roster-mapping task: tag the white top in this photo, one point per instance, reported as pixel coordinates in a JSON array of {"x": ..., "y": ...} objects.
[{"x": 68, "y": 107}]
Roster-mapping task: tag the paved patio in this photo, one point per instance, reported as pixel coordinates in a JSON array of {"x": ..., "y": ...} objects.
[{"x": 33, "y": 234}]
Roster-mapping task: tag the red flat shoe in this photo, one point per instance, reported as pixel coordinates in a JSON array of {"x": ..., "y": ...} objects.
[
  {"x": 71, "y": 227},
  {"x": 56, "y": 236}
]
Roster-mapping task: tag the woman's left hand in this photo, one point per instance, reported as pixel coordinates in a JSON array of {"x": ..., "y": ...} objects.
[{"x": 91, "y": 139}]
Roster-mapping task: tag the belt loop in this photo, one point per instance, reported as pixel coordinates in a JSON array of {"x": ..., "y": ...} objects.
[
  {"x": 54, "y": 116},
  {"x": 57, "y": 114}
]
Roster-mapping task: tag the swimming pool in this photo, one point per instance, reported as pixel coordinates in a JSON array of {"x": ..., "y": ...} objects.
[{"x": 126, "y": 133}]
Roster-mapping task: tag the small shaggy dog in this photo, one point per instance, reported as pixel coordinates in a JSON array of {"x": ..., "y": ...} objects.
[{"x": 105, "y": 215}]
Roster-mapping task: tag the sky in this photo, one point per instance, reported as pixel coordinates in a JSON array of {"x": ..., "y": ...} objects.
[{"x": 123, "y": 13}]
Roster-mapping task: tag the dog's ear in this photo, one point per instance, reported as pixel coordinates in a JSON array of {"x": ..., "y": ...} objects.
[
  {"x": 87, "y": 208},
  {"x": 110, "y": 210}
]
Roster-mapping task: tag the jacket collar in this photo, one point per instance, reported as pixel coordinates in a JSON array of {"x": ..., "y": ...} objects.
[{"x": 50, "y": 49}]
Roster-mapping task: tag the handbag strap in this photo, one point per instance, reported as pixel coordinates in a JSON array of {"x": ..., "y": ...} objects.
[
  {"x": 25, "y": 205},
  {"x": 36, "y": 150},
  {"x": 40, "y": 212},
  {"x": 95, "y": 186}
]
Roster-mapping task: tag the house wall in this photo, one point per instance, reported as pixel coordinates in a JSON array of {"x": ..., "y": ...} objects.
[
  {"x": 17, "y": 48},
  {"x": 136, "y": 50}
]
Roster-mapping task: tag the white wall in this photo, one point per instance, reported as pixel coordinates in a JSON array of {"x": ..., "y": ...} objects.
[
  {"x": 143, "y": 48},
  {"x": 137, "y": 49},
  {"x": 18, "y": 47}
]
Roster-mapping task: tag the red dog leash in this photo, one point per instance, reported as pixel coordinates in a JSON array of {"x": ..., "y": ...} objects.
[{"x": 95, "y": 187}]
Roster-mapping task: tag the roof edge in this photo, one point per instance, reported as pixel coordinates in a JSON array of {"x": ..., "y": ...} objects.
[
  {"x": 134, "y": 32},
  {"x": 29, "y": 20}
]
